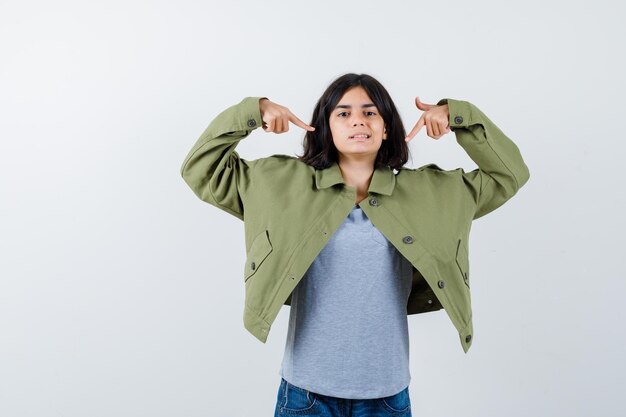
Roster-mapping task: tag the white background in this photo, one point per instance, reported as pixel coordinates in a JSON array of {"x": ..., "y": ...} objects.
[{"x": 121, "y": 293}]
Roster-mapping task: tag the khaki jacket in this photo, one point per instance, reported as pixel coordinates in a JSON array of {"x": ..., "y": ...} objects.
[{"x": 290, "y": 210}]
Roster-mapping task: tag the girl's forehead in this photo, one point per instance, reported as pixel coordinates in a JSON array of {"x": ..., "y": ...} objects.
[
  {"x": 355, "y": 98},
  {"x": 355, "y": 92}
]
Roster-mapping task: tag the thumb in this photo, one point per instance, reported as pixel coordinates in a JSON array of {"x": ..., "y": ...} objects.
[{"x": 422, "y": 106}]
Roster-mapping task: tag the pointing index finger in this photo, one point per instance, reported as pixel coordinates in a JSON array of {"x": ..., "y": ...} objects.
[
  {"x": 300, "y": 123},
  {"x": 416, "y": 128}
]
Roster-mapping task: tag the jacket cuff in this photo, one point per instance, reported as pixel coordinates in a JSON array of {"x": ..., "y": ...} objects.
[
  {"x": 250, "y": 113},
  {"x": 460, "y": 112}
]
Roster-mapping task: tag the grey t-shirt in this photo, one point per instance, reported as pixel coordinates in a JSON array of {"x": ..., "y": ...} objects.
[{"x": 348, "y": 330}]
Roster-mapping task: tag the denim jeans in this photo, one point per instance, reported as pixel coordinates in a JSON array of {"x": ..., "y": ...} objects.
[{"x": 296, "y": 401}]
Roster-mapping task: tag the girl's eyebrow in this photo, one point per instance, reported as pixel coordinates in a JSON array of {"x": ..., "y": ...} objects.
[{"x": 347, "y": 106}]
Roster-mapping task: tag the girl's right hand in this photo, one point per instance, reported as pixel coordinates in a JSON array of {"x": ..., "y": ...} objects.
[{"x": 276, "y": 118}]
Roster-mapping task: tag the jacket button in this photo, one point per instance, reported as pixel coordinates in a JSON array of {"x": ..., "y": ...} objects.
[
  {"x": 440, "y": 284},
  {"x": 468, "y": 338},
  {"x": 373, "y": 201},
  {"x": 430, "y": 301},
  {"x": 251, "y": 122},
  {"x": 407, "y": 239},
  {"x": 253, "y": 265},
  {"x": 458, "y": 120}
]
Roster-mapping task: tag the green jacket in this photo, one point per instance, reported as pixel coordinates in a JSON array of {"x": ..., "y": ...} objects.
[{"x": 290, "y": 210}]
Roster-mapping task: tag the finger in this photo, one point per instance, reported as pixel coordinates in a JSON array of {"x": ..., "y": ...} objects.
[
  {"x": 416, "y": 128},
  {"x": 422, "y": 106},
  {"x": 280, "y": 125},
  {"x": 270, "y": 125},
  {"x": 429, "y": 128},
  {"x": 435, "y": 127},
  {"x": 300, "y": 123}
]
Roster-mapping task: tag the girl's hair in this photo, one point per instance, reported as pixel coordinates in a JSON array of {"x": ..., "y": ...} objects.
[{"x": 319, "y": 148}]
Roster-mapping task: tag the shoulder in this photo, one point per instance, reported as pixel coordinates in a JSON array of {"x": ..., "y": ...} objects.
[
  {"x": 282, "y": 162},
  {"x": 432, "y": 174},
  {"x": 430, "y": 169}
]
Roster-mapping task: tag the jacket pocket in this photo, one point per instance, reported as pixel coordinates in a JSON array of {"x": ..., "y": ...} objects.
[
  {"x": 259, "y": 250},
  {"x": 462, "y": 261}
]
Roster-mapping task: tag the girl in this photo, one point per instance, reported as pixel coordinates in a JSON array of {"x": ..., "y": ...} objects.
[{"x": 351, "y": 239}]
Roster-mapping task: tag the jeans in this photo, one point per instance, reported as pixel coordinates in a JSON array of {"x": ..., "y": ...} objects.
[{"x": 296, "y": 401}]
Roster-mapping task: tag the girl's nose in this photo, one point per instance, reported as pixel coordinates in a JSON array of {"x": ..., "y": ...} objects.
[{"x": 357, "y": 121}]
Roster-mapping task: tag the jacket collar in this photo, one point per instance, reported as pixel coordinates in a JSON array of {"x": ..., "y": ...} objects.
[{"x": 382, "y": 182}]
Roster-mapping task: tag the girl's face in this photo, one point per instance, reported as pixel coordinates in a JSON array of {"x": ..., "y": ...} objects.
[{"x": 357, "y": 126}]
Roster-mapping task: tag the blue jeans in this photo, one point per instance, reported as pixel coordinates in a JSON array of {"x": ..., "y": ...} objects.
[{"x": 296, "y": 401}]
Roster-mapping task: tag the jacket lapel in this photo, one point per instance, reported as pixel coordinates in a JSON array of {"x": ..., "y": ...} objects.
[{"x": 383, "y": 180}]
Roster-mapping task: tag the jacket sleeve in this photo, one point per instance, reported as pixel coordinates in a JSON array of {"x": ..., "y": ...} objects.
[
  {"x": 212, "y": 168},
  {"x": 501, "y": 170}
]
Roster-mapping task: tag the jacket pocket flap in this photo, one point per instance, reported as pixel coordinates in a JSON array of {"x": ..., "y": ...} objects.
[
  {"x": 260, "y": 248},
  {"x": 462, "y": 260}
]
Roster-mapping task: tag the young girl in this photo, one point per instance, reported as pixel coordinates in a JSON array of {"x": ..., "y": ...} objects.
[{"x": 351, "y": 239}]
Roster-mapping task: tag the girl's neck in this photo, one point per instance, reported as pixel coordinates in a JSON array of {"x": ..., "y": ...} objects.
[{"x": 357, "y": 174}]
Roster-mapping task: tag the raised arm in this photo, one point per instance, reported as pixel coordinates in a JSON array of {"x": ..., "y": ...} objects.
[
  {"x": 214, "y": 170},
  {"x": 501, "y": 169}
]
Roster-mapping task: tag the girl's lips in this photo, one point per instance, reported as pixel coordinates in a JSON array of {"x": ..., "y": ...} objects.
[{"x": 359, "y": 137}]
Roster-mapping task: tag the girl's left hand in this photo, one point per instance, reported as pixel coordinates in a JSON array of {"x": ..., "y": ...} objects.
[{"x": 435, "y": 118}]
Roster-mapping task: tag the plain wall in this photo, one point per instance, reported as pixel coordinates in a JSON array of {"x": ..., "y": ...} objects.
[{"x": 121, "y": 293}]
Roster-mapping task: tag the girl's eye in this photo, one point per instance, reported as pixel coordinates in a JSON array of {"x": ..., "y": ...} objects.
[{"x": 369, "y": 113}]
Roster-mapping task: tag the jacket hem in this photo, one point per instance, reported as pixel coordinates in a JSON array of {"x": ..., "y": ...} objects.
[
  {"x": 255, "y": 324},
  {"x": 466, "y": 336}
]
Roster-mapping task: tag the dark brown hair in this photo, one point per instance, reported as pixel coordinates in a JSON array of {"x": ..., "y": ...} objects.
[{"x": 319, "y": 148}]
